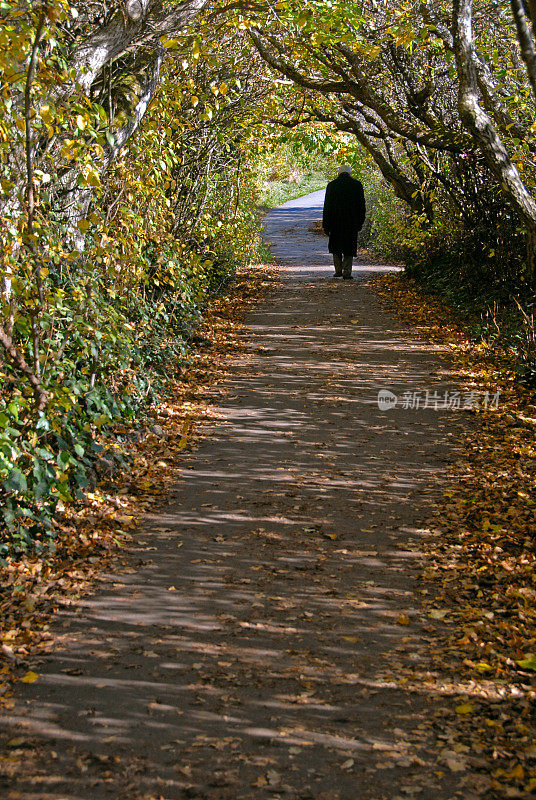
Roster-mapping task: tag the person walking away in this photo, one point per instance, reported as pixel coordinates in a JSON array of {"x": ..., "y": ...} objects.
[{"x": 342, "y": 219}]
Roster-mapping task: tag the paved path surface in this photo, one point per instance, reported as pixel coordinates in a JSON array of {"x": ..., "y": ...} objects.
[{"x": 259, "y": 659}]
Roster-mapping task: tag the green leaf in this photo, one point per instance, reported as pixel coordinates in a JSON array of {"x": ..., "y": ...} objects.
[
  {"x": 46, "y": 455},
  {"x": 16, "y": 481},
  {"x": 64, "y": 457},
  {"x": 529, "y": 662}
]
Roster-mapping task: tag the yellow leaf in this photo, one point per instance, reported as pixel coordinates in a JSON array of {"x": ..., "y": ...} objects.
[
  {"x": 83, "y": 225},
  {"x": 518, "y": 773},
  {"x": 81, "y": 122},
  {"x": 17, "y": 742},
  {"x": 529, "y": 662},
  {"x": 46, "y": 114},
  {"x": 30, "y": 677},
  {"x": 194, "y": 100},
  {"x": 465, "y": 708},
  {"x": 223, "y": 88},
  {"x": 403, "y": 619},
  {"x": 183, "y": 442}
]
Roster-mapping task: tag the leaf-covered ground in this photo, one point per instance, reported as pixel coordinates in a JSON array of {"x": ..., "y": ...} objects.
[
  {"x": 265, "y": 636},
  {"x": 90, "y": 535},
  {"x": 481, "y": 561}
]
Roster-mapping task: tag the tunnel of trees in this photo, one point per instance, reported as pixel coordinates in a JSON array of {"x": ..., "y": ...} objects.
[{"x": 132, "y": 137}]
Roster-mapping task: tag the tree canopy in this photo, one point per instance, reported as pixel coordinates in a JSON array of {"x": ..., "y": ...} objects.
[
  {"x": 440, "y": 95},
  {"x": 127, "y": 141}
]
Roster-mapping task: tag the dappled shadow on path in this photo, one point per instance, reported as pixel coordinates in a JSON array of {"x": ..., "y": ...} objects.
[
  {"x": 252, "y": 651},
  {"x": 300, "y": 252}
]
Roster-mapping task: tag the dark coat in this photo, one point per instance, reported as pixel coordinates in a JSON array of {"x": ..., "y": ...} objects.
[{"x": 344, "y": 214}]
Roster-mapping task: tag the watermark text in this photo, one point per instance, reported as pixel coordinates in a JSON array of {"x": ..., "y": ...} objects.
[{"x": 438, "y": 401}]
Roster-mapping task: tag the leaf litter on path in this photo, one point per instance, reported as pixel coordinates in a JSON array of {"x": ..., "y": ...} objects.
[
  {"x": 478, "y": 576},
  {"x": 481, "y": 562}
]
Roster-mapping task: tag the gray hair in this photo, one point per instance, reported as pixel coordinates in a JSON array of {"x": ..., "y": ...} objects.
[{"x": 345, "y": 168}]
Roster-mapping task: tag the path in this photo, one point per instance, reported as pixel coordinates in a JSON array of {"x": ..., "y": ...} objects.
[{"x": 256, "y": 660}]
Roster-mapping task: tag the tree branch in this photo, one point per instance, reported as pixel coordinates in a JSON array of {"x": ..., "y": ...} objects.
[
  {"x": 478, "y": 121},
  {"x": 147, "y": 92},
  {"x": 526, "y": 41},
  {"x": 30, "y": 187},
  {"x": 40, "y": 394},
  {"x": 486, "y": 81},
  {"x": 121, "y": 35}
]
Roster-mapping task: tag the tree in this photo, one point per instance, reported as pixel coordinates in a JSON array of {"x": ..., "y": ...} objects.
[
  {"x": 124, "y": 204},
  {"x": 440, "y": 97}
]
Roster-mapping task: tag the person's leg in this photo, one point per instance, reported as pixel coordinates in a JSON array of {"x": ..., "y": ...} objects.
[
  {"x": 337, "y": 263},
  {"x": 346, "y": 264}
]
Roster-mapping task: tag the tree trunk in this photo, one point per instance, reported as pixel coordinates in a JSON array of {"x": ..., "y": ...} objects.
[
  {"x": 526, "y": 41},
  {"x": 480, "y": 124}
]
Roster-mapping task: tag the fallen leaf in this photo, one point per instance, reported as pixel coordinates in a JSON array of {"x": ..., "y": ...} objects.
[
  {"x": 465, "y": 708},
  {"x": 529, "y": 662},
  {"x": 18, "y": 741},
  {"x": 438, "y": 613},
  {"x": 274, "y": 778},
  {"x": 455, "y": 765},
  {"x": 30, "y": 677},
  {"x": 518, "y": 773}
]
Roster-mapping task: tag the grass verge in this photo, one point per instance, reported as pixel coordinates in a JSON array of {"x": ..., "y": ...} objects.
[{"x": 274, "y": 193}]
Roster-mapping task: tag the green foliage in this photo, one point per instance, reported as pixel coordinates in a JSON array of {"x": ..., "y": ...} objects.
[
  {"x": 291, "y": 164},
  {"x": 105, "y": 282},
  {"x": 277, "y": 191}
]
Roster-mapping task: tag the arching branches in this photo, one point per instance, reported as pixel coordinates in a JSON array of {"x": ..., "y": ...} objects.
[{"x": 429, "y": 90}]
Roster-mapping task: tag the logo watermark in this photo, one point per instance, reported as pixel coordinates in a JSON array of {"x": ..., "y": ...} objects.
[
  {"x": 438, "y": 401},
  {"x": 386, "y": 400}
]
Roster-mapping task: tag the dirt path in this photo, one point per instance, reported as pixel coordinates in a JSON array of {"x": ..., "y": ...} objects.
[{"x": 253, "y": 651}]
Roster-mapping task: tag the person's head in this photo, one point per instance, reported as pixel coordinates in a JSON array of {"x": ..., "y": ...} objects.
[{"x": 345, "y": 169}]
